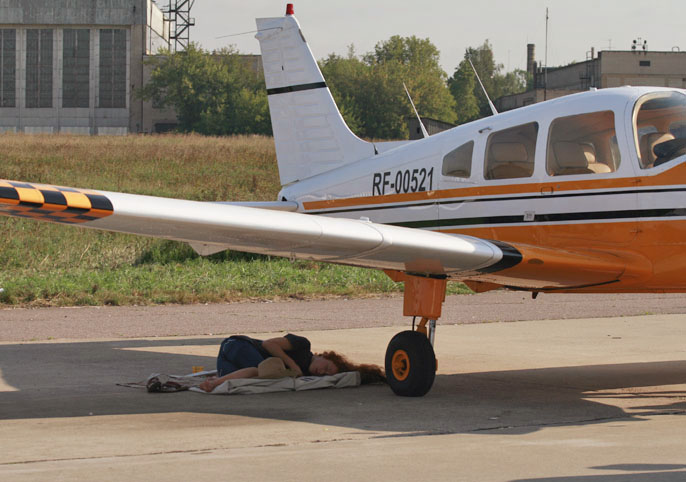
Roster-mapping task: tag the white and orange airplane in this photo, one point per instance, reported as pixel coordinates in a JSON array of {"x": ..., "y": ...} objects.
[{"x": 581, "y": 194}]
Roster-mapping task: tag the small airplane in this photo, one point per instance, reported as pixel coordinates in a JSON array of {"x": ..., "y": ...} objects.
[{"x": 580, "y": 194}]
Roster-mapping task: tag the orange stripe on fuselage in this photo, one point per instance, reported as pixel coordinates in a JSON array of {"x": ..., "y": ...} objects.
[
  {"x": 676, "y": 175},
  {"x": 653, "y": 251}
]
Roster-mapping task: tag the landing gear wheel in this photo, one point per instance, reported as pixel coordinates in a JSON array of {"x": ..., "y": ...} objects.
[{"x": 410, "y": 364}]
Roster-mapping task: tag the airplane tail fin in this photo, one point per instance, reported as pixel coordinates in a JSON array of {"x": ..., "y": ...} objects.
[{"x": 310, "y": 134}]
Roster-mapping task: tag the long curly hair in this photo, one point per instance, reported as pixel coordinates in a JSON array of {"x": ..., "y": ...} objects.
[{"x": 369, "y": 373}]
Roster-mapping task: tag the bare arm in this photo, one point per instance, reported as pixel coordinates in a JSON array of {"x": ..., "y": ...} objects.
[
  {"x": 277, "y": 347},
  {"x": 213, "y": 382}
]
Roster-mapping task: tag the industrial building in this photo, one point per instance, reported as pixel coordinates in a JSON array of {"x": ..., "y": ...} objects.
[
  {"x": 609, "y": 68},
  {"x": 432, "y": 126},
  {"x": 75, "y": 66}
]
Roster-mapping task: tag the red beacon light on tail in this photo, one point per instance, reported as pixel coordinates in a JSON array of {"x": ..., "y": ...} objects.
[{"x": 289, "y": 9}]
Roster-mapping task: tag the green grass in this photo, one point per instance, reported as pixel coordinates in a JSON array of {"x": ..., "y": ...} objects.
[{"x": 45, "y": 264}]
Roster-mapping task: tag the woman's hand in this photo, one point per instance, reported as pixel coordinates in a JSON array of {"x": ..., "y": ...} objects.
[
  {"x": 277, "y": 347},
  {"x": 209, "y": 384},
  {"x": 294, "y": 366}
]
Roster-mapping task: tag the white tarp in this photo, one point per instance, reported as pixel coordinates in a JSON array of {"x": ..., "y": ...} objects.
[
  {"x": 244, "y": 386},
  {"x": 159, "y": 382}
]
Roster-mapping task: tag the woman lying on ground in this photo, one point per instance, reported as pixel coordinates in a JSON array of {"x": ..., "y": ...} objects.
[{"x": 239, "y": 356}]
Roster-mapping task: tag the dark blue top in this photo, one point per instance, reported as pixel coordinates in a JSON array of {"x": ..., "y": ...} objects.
[{"x": 301, "y": 351}]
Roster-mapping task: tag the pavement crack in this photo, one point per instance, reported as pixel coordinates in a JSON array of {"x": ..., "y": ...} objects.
[
  {"x": 628, "y": 417},
  {"x": 96, "y": 457},
  {"x": 580, "y": 422},
  {"x": 173, "y": 452},
  {"x": 549, "y": 424}
]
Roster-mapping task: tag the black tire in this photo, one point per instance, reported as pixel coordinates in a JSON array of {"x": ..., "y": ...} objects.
[{"x": 410, "y": 364}]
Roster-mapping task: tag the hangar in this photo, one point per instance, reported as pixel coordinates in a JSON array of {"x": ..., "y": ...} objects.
[{"x": 74, "y": 66}]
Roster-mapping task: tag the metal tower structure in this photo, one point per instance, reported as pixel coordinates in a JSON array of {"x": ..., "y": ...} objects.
[{"x": 179, "y": 13}]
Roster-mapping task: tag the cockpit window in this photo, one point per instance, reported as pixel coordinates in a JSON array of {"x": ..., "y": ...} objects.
[
  {"x": 583, "y": 144},
  {"x": 660, "y": 128}
]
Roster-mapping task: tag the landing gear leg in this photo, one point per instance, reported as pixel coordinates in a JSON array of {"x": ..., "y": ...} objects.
[{"x": 410, "y": 358}]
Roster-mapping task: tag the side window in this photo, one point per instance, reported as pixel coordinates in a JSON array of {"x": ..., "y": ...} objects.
[
  {"x": 678, "y": 129},
  {"x": 583, "y": 144},
  {"x": 458, "y": 162},
  {"x": 510, "y": 152},
  {"x": 660, "y": 128}
]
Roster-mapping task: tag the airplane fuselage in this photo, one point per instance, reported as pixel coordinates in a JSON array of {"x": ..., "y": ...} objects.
[{"x": 573, "y": 174}]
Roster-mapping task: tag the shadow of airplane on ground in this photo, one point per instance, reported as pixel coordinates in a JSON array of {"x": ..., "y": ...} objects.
[
  {"x": 635, "y": 473},
  {"x": 79, "y": 379}
]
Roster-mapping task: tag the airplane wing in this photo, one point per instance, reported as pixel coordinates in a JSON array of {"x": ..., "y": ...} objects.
[
  {"x": 212, "y": 227},
  {"x": 219, "y": 226}
]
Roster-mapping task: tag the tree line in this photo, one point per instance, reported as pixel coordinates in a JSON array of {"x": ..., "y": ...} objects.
[{"x": 219, "y": 93}]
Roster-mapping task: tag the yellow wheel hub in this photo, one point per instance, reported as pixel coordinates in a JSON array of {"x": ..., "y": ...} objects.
[{"x": 401, "y": 365}]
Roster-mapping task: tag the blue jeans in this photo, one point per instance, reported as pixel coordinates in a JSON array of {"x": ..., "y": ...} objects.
[{"x": 235, "y": 354}]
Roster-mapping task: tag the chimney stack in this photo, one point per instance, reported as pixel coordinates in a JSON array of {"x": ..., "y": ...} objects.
[{"x": 530, "y": 55}]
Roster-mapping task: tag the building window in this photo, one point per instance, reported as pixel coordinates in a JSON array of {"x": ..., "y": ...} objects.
[
  {"x": 8, "y": 67},
  {"x": 75, "y": 68},
  {"x": 39, "y": 68},
  {"x": 644, "y": 63},
  {"x": 112, "y": 68}
]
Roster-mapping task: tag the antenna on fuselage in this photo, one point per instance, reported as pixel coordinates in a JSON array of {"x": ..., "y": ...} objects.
[
  {"x": 421, "y": 124},
  {"x": 490, "y": 104}
]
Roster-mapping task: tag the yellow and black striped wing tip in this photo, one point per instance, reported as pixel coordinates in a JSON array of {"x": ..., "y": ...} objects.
[{"x": 55, "y": 204}]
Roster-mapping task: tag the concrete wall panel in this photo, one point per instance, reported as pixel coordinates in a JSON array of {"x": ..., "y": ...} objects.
[
  {"x": 75, "y": 130},
  {"x": 112, "y": 131},
  {"x": 73, "y": 12},
  {"x": 661, "y": 63},
  {"x": 39, "y": 129},
  {"x": 11, "y": 15}
]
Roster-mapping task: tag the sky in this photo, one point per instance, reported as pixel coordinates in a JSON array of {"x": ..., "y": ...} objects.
[{"x": 574, "y": 26}]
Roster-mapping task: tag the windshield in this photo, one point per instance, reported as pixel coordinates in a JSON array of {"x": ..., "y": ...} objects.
[{"x": 660, "y": 128}]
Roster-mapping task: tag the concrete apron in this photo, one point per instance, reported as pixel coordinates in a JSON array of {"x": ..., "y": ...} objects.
[{"x": 573, "y": 398}]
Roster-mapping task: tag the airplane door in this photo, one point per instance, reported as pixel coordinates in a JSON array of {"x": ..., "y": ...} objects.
[
  {"x": 587, "y": 197},
  {"x": 584, "y": 217}
]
